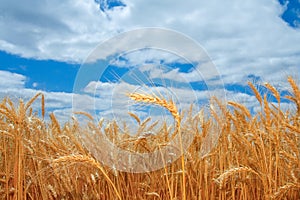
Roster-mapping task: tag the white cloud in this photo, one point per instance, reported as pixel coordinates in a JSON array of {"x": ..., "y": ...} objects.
[
  {"x": 51, "y": 29},
  {"x": 244, "y": 38},
  {"x": 10, "y": 80},
  {"x": 95, "y": 88},
  {"x": 241, "y": 37},
  {"x": 12, "y": 85}
]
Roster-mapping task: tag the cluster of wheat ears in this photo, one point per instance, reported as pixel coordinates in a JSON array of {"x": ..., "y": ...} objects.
[{"x": 257, "y": 156}]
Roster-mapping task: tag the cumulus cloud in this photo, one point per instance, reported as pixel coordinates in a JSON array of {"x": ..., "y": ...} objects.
[
  {"x": 239, "y": 36},
  {"x": 11, "y": 81},
  {"x": 51, "y": 29},
  {"x": 13, "y": 85}
]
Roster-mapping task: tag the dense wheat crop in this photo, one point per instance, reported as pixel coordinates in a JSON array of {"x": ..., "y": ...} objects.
[{"x": 257, "y": 156}]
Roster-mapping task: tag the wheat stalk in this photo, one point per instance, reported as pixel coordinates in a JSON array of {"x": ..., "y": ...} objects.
[
  {"x": 171, "y": 107},
  {"x": 241, "y": 107},
  {"x": 30, "y": 102},
  {"x": 134, "y": 116},
  {"x": 274, "y": 91},
  {"x": 55, "y": 123},
  {"x": 87, "y": 160},
  {"x": 256, "y": 93},
  {"x": 296, "y": 93}
]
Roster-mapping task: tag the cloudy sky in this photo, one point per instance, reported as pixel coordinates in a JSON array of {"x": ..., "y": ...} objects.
[{"x": 202, "y": 48}]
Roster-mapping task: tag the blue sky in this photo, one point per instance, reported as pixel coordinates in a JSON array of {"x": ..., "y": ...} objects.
[{"x": 43, "y": 47}]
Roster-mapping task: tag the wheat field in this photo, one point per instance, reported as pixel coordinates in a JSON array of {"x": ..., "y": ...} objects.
[{"x": 257, "y": 156}]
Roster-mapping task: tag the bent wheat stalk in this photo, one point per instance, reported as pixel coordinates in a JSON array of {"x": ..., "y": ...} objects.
[
  {"x": 153, "y": 99},
  {"x": 171, "y": 107}
]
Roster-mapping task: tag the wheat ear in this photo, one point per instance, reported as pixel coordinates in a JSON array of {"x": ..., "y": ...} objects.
[
  {"x": 296, "y": 93},
  {"x": 153, "y": 99},
  {"x": 282, "y": 191},
  {"x": 274, "y": 91},
  {"x": 224, "y": 177},
  {"x": 256, "y": 93}
]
